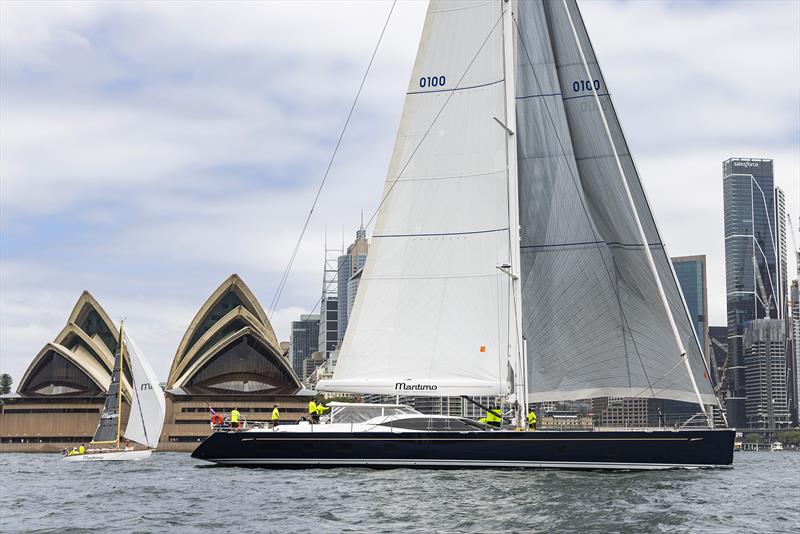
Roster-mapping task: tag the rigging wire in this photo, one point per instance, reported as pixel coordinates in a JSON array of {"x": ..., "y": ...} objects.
[
  {"x": 586, "y": 212},
  {"x": 282, "y": 284}
]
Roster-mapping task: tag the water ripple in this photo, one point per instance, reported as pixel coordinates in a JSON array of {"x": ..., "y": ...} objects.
[{"x": 41, "y": 494}]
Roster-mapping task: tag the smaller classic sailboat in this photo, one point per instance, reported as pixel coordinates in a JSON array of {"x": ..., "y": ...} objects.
[{"x": 146, "y": 415}]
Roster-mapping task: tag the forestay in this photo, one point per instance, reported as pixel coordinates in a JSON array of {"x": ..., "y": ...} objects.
[
  {"x": 148, "y": 405},
  {"x": 592, "y": 316},
  {"x": 431, "y": 316}
]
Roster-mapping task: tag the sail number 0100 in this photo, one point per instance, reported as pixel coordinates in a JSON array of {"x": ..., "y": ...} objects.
[
  {"x": 432, "y": 81},
  {"x": 585, "y": 85}
]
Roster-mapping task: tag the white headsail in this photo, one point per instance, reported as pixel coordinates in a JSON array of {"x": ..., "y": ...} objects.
[
  {"x": 431, "y": 316},
  {"x": 147, "y": 405}
]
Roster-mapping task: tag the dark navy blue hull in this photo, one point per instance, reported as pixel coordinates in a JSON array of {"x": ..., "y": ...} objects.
[{"x": 570, "y": 450}]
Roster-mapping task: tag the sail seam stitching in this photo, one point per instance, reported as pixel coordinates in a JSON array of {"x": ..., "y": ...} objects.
[
  {"x": 494, "y": 230},
  {"x": 609, "y": 243}
]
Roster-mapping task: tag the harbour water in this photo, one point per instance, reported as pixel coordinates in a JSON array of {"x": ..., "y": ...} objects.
[{"x": 172, "y": 492}]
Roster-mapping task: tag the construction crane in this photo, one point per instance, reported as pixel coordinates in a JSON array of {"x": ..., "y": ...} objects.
[{"x": 723, "y": 369}]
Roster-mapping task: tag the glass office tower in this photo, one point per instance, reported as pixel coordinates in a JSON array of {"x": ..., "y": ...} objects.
[
  {"x": 691, "y": 273},
  {"x": 304, "y": 341},
  {"x": 754, "y": 242}
]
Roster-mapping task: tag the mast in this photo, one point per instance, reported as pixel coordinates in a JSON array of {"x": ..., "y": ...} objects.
[
  {"x": 513, "y": 270},
  {"x": 119, "y": 395},
  {"x": 632, "y": 205}
]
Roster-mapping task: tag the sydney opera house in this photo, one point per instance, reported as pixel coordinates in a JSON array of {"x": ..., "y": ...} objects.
[{"x": 229, "y": 357}]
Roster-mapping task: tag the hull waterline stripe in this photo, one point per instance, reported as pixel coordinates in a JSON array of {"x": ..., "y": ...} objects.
[
  {"x": 463, "y": 463},
  {"x": 317, "y": 437}
]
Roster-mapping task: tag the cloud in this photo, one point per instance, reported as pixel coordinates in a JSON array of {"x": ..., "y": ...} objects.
[{"x": 151, "y": 149}]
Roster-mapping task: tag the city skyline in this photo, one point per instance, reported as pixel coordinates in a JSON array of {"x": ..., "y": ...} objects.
[{"x": 150, "y": 215}]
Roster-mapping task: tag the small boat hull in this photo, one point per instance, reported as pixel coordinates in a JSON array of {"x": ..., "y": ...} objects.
[
  {"x": 110, "y": 456},
  {"x": 492, "y": 449}
]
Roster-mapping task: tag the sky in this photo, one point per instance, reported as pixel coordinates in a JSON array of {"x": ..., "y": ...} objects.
[{"x": 148, "y": 150}]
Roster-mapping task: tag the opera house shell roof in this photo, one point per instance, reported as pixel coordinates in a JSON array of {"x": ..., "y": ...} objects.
[
  {"x": 78, "y": 362},
  {"x": 230, "y": 348}
]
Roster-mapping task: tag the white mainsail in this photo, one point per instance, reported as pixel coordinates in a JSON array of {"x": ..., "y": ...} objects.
[
  {"x": 431, "y": 316},
  {"x": 147, "y": 405}
]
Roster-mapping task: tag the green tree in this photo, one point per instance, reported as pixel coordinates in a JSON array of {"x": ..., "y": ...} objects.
[
  {"x": 751, "y": 438},
  {"x": 5, "y": 383},
  {"x": 790, "y": 438}
]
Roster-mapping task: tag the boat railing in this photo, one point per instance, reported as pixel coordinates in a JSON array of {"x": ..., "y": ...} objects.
[{"x": 225, "y": 424}]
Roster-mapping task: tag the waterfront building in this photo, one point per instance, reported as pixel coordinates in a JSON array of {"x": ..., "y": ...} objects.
[
  {"x": 348, "y": 265},
  {"x": 229, "y": 357},
  {"x": 754, "y": 258},
  {"x": 794, "y": 352},
  {"x": 310, "y": 364},
  {"x": 692, "y": 279},
  {"x": 628, "y": 412},
  {"x": 328, "y": 324},
  {"x": 323, "y": 370},
  {"x": 60, "y": 396},
  {"x": 454, "y": 406},
  {"x": 304, "y": 340},
  {"x": 564, "y": 421},
  {"x": 764, "y": 345}
]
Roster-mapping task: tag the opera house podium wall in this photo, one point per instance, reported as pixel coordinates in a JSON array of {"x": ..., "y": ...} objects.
[{"x": 229, "y": 357}]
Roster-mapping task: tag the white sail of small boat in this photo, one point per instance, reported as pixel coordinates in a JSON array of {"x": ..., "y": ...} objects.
[
  {"x": 146, "y": 418},
  {"x": 148, "y": 404}
]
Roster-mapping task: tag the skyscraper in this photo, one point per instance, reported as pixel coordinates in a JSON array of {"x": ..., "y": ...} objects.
[
  {"x": 691, "y": 273},
  {"x": 793, "y": 359},
  {"x": 304, "y": 341},
  {"x": 764, "y": 345},
  {"x": 754, "y": 245},
  {"x": 328, "y": 325},
  {"x": 349, "y": 264}
]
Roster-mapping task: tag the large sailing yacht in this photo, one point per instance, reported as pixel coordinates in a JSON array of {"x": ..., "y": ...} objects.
[
  {"x": 146, "y": 418},
  {"x": 514, "y": 255}
]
